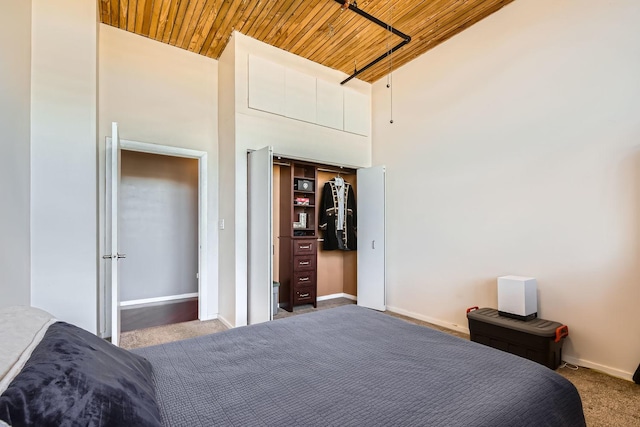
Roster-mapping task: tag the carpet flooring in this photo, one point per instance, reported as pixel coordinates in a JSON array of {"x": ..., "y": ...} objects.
[
  {"x": 168, "y": 333},
  {"x": 607, "y": 401}
]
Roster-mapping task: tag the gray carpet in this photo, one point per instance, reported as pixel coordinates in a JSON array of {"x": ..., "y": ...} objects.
[
  {"x": 607, "y": 401},
  {"x": 168, "y": 333}
]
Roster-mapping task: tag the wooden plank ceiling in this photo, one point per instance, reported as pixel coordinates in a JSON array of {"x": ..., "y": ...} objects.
[{"x": 319, "y": 30}]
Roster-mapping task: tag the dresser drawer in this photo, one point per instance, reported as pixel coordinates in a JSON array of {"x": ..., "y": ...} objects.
[
  {"x": 304, "y": 295},
  {"x": 304, "y": 247},
  {"x": 304, "y": 263},
  {"x": 304, "y": 278}
]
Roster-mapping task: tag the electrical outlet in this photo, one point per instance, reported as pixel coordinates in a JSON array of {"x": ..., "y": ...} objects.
[{"x": 221, "y": 224}]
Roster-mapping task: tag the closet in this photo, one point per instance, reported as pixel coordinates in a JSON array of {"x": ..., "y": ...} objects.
[{"x": 305, "y": 271}]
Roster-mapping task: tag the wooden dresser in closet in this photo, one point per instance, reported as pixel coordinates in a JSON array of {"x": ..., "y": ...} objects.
[{"x": 298, "y": 235}]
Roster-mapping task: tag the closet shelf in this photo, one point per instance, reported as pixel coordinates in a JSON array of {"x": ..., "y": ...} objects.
[{"x": 297, "y": 252}]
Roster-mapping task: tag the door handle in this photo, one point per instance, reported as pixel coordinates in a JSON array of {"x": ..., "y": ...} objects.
[
  {"x": 373, "y": 244},
  {"x": 117, "y": 256}
]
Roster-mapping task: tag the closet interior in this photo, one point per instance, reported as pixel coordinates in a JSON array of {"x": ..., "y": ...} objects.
[{"x": 304, "y": 270}]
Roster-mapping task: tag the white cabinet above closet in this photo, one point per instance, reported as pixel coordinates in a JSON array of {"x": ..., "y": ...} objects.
[
  {"x": 266, "y": 85},
  {"x": 330, "y": 104},
  {"x": 300, "y": 96},
  {"x": 357, "y": 113},
  {"x": 279, "y": 90}
]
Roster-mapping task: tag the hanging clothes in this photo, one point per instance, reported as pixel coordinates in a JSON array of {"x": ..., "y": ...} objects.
[{"x": 337, "y": 216}]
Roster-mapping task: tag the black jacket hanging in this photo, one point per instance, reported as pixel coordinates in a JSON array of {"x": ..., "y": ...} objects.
[{"x": 338, "y": 216}]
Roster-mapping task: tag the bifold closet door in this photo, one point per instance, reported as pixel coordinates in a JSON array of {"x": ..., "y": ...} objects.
[
  {"x": 260, "y": 235},
  {"x": 371, "y": 238}
]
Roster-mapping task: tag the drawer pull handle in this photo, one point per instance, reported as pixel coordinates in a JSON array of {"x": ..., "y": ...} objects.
[
  {"x": 304, "y": 295},
  {"x": 303, "y": 279},
  {"x": 305, "y": 247},
  {"x": 304, "y": 262}
]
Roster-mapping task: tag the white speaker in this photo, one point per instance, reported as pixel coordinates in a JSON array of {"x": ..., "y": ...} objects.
[{"x": 517, "y": 297}]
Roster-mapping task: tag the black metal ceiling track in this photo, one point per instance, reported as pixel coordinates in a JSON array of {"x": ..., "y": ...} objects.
[{"x": 405, "y": 38}]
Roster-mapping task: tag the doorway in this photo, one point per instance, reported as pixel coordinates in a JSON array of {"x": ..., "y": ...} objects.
[
  {"x": 158, "y": 226},
  {"x": 369, "y": 275},
  {"x": 114, "y": 256}
]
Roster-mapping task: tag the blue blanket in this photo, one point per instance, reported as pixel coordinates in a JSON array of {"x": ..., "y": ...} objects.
[
  {"x": 350, "y": 366},
  {"x": 74, "y": 378}
]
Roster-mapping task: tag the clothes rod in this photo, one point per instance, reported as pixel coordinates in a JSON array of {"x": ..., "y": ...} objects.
[{"x": 342, "y": 172}]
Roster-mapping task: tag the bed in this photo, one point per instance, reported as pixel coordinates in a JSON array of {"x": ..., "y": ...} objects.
[{"x": 347, "y": 366}]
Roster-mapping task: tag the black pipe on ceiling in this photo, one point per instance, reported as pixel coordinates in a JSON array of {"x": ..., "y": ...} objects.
[{"x": 405, "y": 38}]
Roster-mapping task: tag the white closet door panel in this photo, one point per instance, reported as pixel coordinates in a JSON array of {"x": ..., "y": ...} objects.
[
  {"x": 371, "y": 238},
  {"x": 260, "y": 234},
  {"x": 300, "y": 96},
  {"x": 357, "y": 112},
  {"x": 266, "y": 85},
  {"x": 330, "y": 105}
]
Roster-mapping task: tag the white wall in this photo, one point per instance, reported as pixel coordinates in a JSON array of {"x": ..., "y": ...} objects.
[
  {"x": 158, "y": 226},
  {"x": 63, "y": 160},
  {"x": 515, "y": 149},
  {"x": 15, "y": 111},
  {"x": 164, "y": 95},
  {"x": 227, "y": 189},
  {"x": 254, "y": 129}
]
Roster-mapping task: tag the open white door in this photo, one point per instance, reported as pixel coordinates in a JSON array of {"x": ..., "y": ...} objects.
[
  {"x": 112, "y": 256},
  {"x": 371, "y": 238},
  {"x": 260, "y": 232}
]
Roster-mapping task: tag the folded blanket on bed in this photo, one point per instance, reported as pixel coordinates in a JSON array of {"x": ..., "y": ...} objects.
[
  {"x": 21, "y": 329},
  {"x": 73, "y": 378}
]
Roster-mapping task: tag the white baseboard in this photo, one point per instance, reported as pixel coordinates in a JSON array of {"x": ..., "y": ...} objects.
[
  {"x": 614, "y": 372},
  {"x": 211, "y": 317},
  {"x": 145, "y": 301},
  {"x": 341, "y": 295},
  {"x": 428, "y": 319},
  {"x": 225, "y": 322}
]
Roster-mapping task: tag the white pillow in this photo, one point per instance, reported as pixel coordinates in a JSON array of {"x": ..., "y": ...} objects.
[{"x": 21, "y": 329}]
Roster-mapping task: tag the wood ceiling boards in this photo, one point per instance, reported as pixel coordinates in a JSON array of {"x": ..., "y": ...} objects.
[{"x": 319, "y": 30}]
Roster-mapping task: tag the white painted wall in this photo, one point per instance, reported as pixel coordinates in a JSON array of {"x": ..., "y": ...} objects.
[
  {"x": 515, "y": 149},
  {"x": 15, "y": 112},
  {"x": 227, "y": 187},
  {"x": 254, "y": 129},
  {"x": 164, "y": 95},
  {"x": 158, "y": 226},
  {"x": 63, "y": 159}
]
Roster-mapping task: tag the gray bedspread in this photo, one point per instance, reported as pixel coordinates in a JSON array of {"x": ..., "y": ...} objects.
[{"x": 350, "y": 366}]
